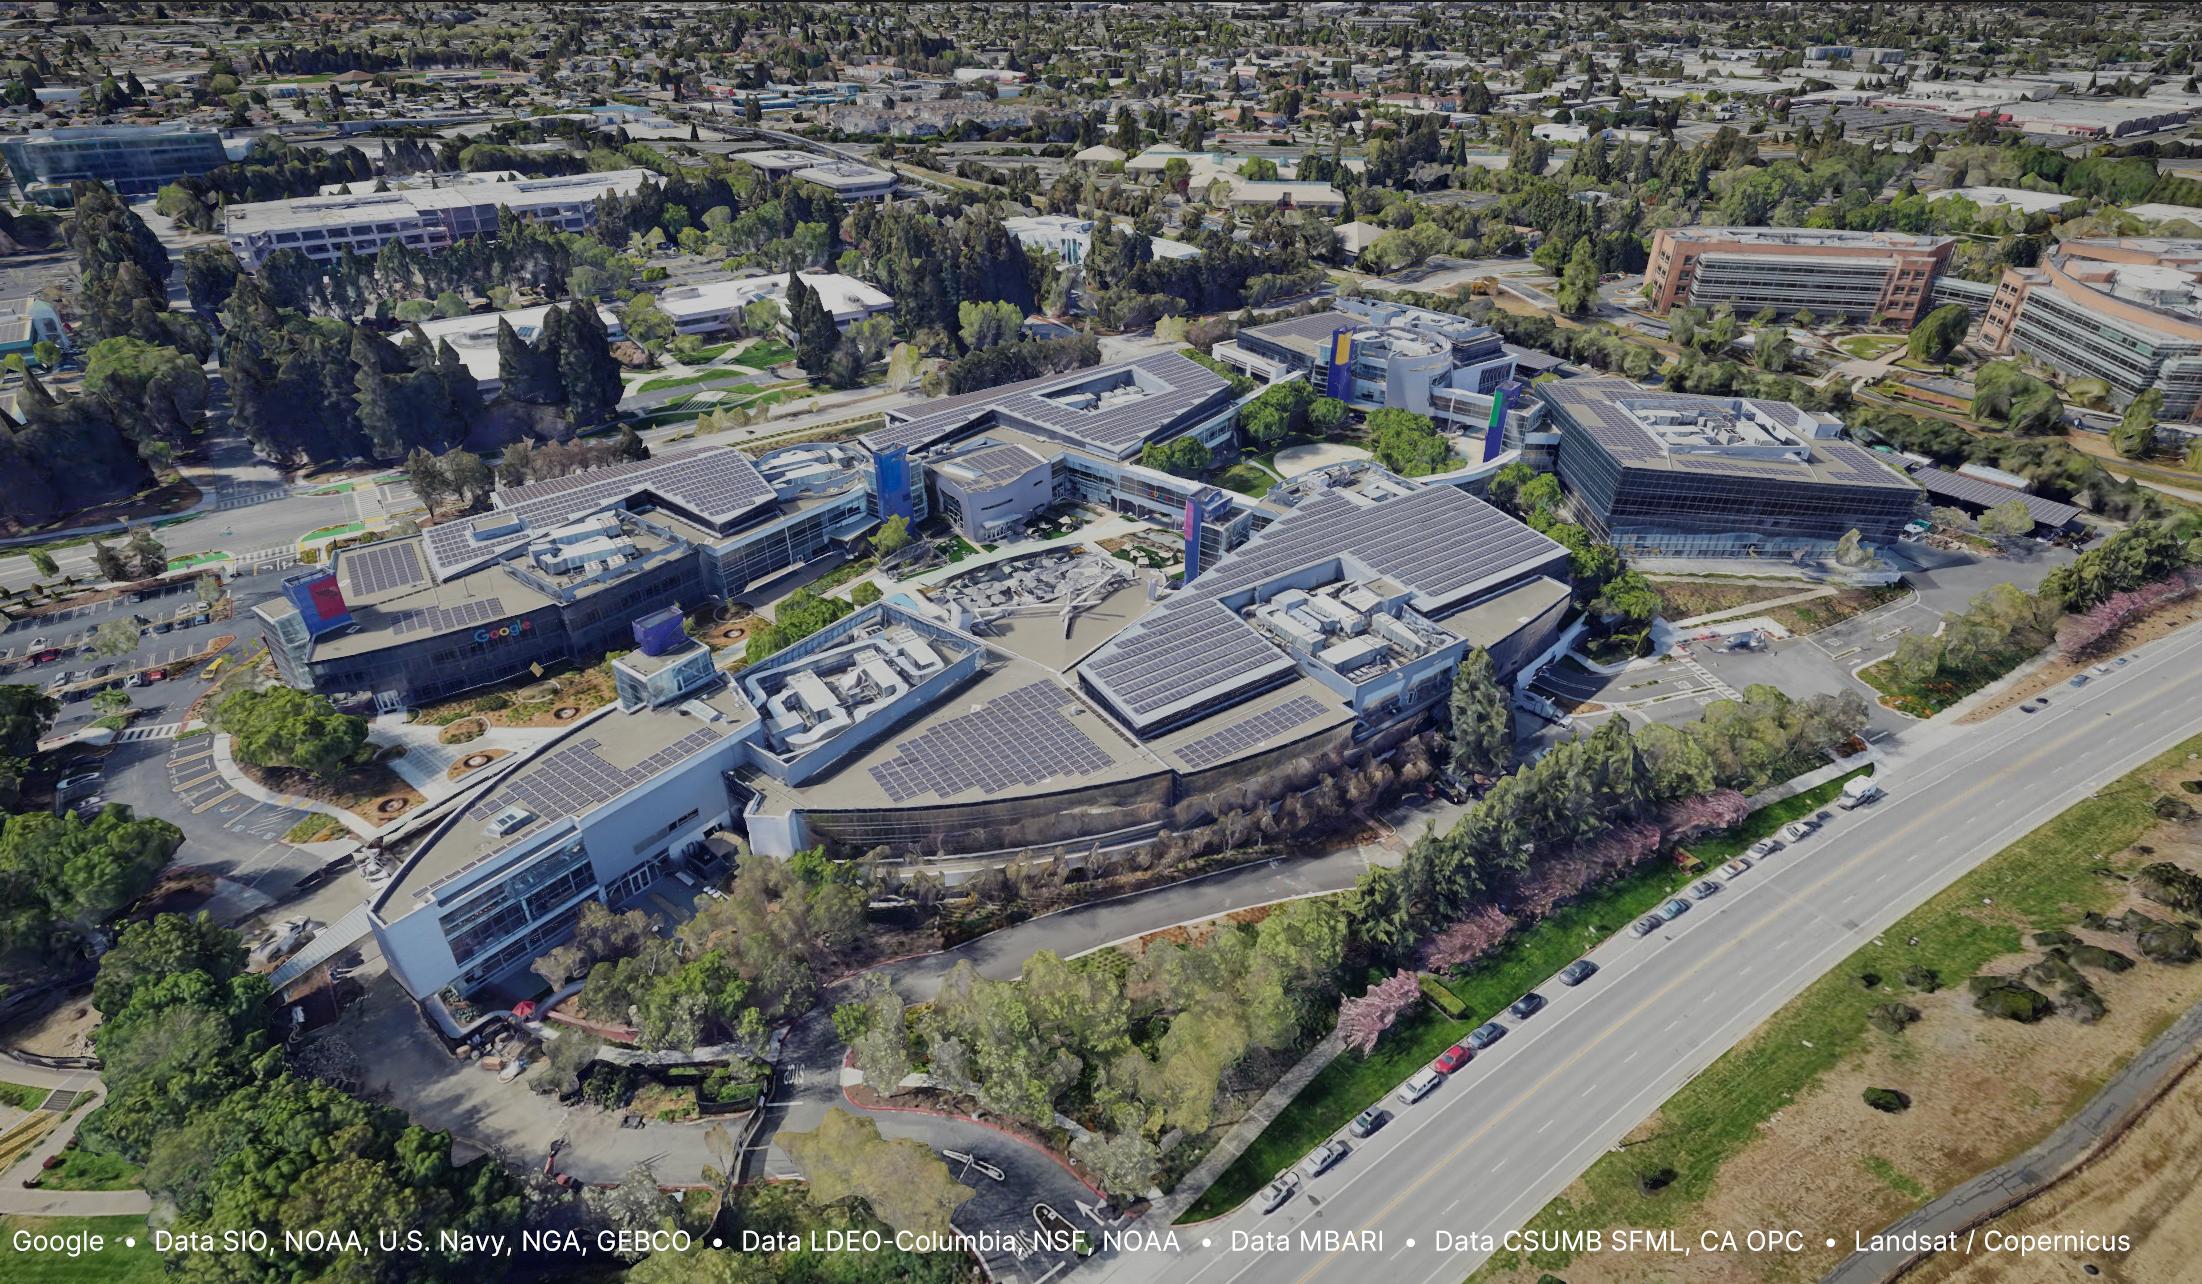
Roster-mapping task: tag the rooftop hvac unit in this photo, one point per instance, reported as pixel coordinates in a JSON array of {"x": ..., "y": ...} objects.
[{"x": 508, "y": 820}]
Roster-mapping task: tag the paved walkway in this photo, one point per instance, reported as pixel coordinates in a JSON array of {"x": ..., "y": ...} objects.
[
  {"x": 1194, "y": 1184},
  {"x": 16, "y": 1200},
  {"x": 2122, "y": 1101}
]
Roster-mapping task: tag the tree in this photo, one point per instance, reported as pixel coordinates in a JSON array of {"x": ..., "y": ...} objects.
[
  {"x": 982, "y": 325},
  {"x": 1849, "y": 551},
  {"x": 114, "y": 639},
  {"x": 1771, "y": 348},
  {"x": 648, "y": 324},
  {"x": 1483, "y": 719},
  {"x": 631, "y": 446},
  {"x": 1407, "y": 443},
  {"x": 281, "y": 727},
  {"x": 1938, "y": 333},
  {"x": 586, "y": 369},
  {"x": 905, "y": 1184},
  {"x": 70, "y": 875},
  {"x": 1362, "y": 1021},
  {"x": 816, "y": 336},
  {"x": 1186, "y": 456},
  {"x": 892, "y": 536},
  {"x": 2135, "y": 435},
  {"x": 25, "y": 715},
  {"x": 1577, "y": 292},
  {"x": 1326, "y": 415},
  {"x": 426, "y": 477},
  {"x": 111, "y": 701},
  {"x": 151, "y": 392},
  {"x": 2011, "y": 517},
  {"x": 43, "y": 562},
  {"x": 881, "y": 1040},
  {"x": 109, "y": 563}
]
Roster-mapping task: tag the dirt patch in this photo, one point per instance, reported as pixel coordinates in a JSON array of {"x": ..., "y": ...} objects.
[
  {"x": 1688, "y": 599},
  {"x": 474, "y": 762},
  {"x": 1982, "y": 1092},
  {"x": 2146, "y": 1186},
  {"x": 1810, "y": 617},
  {"x": 462, "y": 731},
  {"x": 2057, "y": 672},
  {"x": 64, "y": 1030}
]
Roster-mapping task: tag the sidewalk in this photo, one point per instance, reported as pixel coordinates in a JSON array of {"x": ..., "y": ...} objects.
[
  {"x": 225, "y": 762},
  {"x": 1243, "y": 1133},
  {"x": 17, "y": 1201}
]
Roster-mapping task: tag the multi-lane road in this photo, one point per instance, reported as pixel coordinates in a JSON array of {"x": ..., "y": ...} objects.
[{"x": 1509, "y": 1132}]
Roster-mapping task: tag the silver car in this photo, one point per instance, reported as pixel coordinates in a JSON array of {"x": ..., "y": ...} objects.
[{"x": 1324, "y": 1158}]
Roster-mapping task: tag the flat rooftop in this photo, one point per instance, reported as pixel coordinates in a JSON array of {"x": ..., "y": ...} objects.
[
  {"x": 1608, "y": 410},
  {"x": 1776, "y": 237},
  {"x": 604, "y": 758},
  {"x": 325, "y": 211},
  {"x": 1113, "y": 408}
]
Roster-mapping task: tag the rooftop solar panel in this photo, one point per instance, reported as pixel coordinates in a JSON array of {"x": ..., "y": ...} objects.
[
  {"x": 1177, "y": 389},
  {"x": 1246, "y": 733},
  {"x": 378, "y": 569},
  {"x": 1022, "y": 738},
  {"x": 443, "y": 619}
]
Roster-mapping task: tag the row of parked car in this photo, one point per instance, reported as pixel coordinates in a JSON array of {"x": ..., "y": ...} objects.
[
  {"x": 1859, "y": 792},
  {"x": 1328, "y": 1155}
]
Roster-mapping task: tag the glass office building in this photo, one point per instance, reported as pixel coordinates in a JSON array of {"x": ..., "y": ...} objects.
[{"x": 134, "y": 160}]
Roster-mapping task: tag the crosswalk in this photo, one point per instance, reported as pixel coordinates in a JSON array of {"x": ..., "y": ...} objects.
[
  {"x": 159, "y": 731},
  {"x": 236, "y": 496},
  {"x": 279, "y": 558}
]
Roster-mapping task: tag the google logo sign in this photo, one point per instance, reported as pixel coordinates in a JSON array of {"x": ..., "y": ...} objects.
[{"x": 504, "y": 632}]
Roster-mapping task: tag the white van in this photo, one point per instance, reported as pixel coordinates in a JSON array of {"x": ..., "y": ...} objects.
[
  {"x": 1422, "y": 1085},
  {"x": 1858, "y": 792}
]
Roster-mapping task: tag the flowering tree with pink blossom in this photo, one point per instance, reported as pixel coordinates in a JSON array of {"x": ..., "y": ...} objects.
[
  {"x": 2087, "y": 633},
  {"x": 1557, "y": 878},
  {"x": 1467, "y": 940},
  {"x": 1362, "y": 1021},
  {"x": 1686, "y": 818}
]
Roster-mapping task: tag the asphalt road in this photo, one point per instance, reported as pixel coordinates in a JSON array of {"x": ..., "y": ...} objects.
[{"x": 1491, "y": 1147}]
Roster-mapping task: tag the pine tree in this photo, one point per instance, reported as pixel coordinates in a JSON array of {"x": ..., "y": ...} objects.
[
  {"x": 586, "y": 367},
  {"x": 1483, "y": 721},
  {"x": 816, "y": 336},
  {"x": 528, "y": 373}
]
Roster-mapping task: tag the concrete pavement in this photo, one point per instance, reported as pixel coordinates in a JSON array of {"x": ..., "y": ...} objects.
[{"x": 1513, "y": 1129}]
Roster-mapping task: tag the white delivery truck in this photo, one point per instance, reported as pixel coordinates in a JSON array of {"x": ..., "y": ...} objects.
[{"x": 1858, "y": 792}]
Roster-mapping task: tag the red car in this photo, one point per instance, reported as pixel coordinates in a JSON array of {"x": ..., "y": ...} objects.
[
  {"x": 47, "y": 656},
  {"x": 1452, "y": 1058},
  {"x": 155, "y": 675}
]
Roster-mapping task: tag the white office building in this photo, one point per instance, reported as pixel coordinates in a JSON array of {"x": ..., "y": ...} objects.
[
  {"x": 324, "y": 227},
  {"x": 710, "y": 306}
]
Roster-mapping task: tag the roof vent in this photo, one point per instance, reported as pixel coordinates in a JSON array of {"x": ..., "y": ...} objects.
[{"x": 508, "y": 820}]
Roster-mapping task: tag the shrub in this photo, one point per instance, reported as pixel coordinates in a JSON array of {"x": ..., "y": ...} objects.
[
  {"x": 2096, "y": 956},
  {"x": 2010, "y": 999},
  {"x": 1869, "y": 980},
  {"x": 2167, "y": 807},
  {"x": 1442, "y": 999},
  {"x": 1923, "y": 979},
  {"x": 2083, "y": 1004},
  {"x": 1658, "y": 1179},
  {"x": 1891, "y": 1018},
  {"x": 2047, "y": 939},
  {"x": 2167, "y": 943},
  {"x": 1887, "y": 1100}
]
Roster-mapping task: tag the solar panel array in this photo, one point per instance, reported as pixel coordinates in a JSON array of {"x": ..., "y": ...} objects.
[
  {"x": 1248, "y": 732},
  {"x": 443, "y": 619},
  {"x": 574, "y": 779},
  {"x": 382, "y": 568},
  {"x": 1199, "y": 649},
  {"x": 998, "y": 465},
  {"x": 1021, "y": 738},
  {"x": 1439, "y": 542},
  {"x": 1972, "y": 490},
  {"x": 713, "y": 482},
  {"x": 1847, "y": 463},
  {"x": 1118, "y": 430}
]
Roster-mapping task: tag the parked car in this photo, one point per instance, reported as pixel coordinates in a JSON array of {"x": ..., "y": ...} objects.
[
  {"x": 71, "y": 784},
  {"x": 1324, "y": 1158},
  {"x": 2122, "y": 661},
  {"x": 134, "y": 680},
  {"x": 102, "y": 670},
  {"x": 1526, "y": 1006},
  {"x": 38, "y": 643},
  {"x": 1483, "y": 1036},
  {"x": 1735, "y": 869},
  {"x": 201, "y": 618},
  {"x": 2078, "y": 680},
  {"x": 1422, "y": 1085},
  {"x": 1705, "y": 890},
  {"x": 47, "y": 656},
  {"x": 1647, "y": 925},
  {"x": 2098, "y": 669},
  {"x": 1577, "y": 972},
  {"x": 2035, "y": 705},
  {"x": 155, "y": 675},
  {"x": 164, "y": 627},
  {"x": 1674, "y": 909},
  {"x": 1764, "y": 848},
  {"x": 1452, "y": 1059},
  {"x": 1796, "y": 831},
  {"x": 1367, "y": 1122},
  {"x": 1277, "y": 1193}
]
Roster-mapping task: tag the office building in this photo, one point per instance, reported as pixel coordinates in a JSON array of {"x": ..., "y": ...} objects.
[
  {"x": 135, "y": 160},
  {"x": 1374, "y": 355},
  {"x": 1665, "y": 474},
  {"x": 948, "y": 732},
  {"x": 1830, "y": 273},
  {"x": 2127, "y": 312},
  {"x": 425, "y": 220},
  {"x": 556, "y": 571},
  {"x": 1069, "y": 239},
  {"x": 707, "y": 307}
]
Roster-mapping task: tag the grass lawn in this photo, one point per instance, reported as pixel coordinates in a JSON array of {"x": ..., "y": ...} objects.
[
  {"x": 113, "y": 1264},
  {"x": 765, "y": 353},
  {"x": 1246, "y": 479},
  {"x": 1686, "y": 599},
  {"x": 20, "y": 1096},
  {"x": 1926, "y": 699},
  {"x": 1869, "y": 346},
  {"x": 691, "y": 380},
  {"x": 1351, "y": 1083},
  {"x": 1820, "y": 612},
  {"x": 2042, "y": 882},
  {"x": 81, "y": 1169}
]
